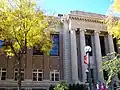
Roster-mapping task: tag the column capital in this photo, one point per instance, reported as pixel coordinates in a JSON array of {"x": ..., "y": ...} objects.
[
  {"x": 97, "y": 32},
  {"x": 82, "y": 29},
  {"x": 109, "y": 33},
  {"x": 72, "y": 30}
]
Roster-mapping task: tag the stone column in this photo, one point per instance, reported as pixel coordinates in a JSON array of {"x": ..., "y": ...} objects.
[
  {"x": 66, "y": 52},
  {"x": 111, "y": 45},
  {"x": 98, "y": 56},
  {"x": 74, "y": 62},
  {"x": 82, "y": 54}
]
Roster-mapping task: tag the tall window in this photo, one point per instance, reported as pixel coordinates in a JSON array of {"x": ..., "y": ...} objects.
[
  {"x": 37, "y": 51},
  {"x": 54, "y": 75},
  {"x": 37, "y": 75},
  {"x": 55, "y": 48},
  {"x": 88, "y": 42},
  {"x": 115, "y": 45},
  {"x": 3, "y": 74},
  {"x": 16, "y": 74},
  {"x": 102, "y": 44}
]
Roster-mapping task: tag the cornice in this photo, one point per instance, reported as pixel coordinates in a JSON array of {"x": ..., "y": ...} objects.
[{"x": 86, "y": 18}]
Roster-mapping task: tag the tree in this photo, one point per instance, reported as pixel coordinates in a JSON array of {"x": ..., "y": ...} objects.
[
  {"x": 112, "y": 66},
  {"x": 24, "y": 26}
]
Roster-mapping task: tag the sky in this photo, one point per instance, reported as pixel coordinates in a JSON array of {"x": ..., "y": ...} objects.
[{"x": 65, "y": 6}]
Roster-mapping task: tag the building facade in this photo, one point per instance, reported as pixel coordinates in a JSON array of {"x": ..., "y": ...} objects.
[{"x": 66, "y": 60}]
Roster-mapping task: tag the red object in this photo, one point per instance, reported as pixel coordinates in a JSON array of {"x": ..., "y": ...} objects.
[{"x": 86, "y": 59}]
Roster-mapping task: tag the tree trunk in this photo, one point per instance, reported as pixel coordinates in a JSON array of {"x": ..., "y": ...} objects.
[{"x": 19, "y": 71}]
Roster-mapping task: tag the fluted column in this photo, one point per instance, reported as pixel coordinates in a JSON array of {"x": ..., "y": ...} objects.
[
  {"x": 66, "y": 52},
  {"x": 111, "y": 45},
  {"x": 82, "y": 54},
  {"x": 98, "y": 56},
  {"x": 74, "y": 62}
]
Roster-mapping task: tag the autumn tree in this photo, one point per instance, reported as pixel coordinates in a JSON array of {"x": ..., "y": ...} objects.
[
  {"x": 22, "y": 26},
  {"x": 112, "y": 66}
]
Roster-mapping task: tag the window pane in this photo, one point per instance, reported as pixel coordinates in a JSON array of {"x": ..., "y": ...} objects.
[
  {"x": 3, "y": 69},
  {"x": 16, "y": 69},
  {"x": 56, "y": 77},
  {"x": 55, "y": 48},
  {"x": 39, "y": 76},
  {"x": 34, "y": 76},
  {"x": 52, "y": 77},
  {"x": 34, "y": 70},
  {"x": 22, "y": 76},
  {"x": 3, "y": 76},
  {"x": 16, "y": 76}
]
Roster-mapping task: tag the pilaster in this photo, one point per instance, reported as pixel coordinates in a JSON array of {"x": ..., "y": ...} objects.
[
  {"x": 74, "y": 62},
  {"x": 98, "y": 56},
  {"x": 66, "y": 51},
  {"x": 82, "y": 54},
  {"x": 111, "y": 45}
]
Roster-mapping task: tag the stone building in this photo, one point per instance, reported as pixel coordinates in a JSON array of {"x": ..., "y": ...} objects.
[{"x": 66, "y": 59}]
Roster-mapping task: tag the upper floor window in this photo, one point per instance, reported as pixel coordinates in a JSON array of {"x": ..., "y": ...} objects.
[
  {"x": 54, "y": 75},
  {"x": 16, "y": 74},
  {"x": 37, "y": 51},
  {"x": 88, "y": 42},
  {"x": 55, "y": 48},
  {"x": 3, "y": 74},
  {"x": 37, "y": 75},
  {"x": 102, "y": 44}
]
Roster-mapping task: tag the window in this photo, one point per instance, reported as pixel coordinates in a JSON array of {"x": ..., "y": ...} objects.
[
  {"x": 115, "y": 45},
  {"x": 37, "y": 75},
  {"x": 88, "y": 42},
  {"x": 3, "y": 74},
  {"x": 55, "y": 48},
  {"x": 102, "y": 44},
  {"x": 16, "y": 74},
  {"x": 37, "y": 51},
  {"x": 54, "y": 75}
]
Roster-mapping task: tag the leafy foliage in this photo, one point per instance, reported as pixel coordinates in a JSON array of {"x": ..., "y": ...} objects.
[
  {"x": 61, "y": 86},
  {"x": 23, "y": 25},
  {"x": 112, "y": 65}
]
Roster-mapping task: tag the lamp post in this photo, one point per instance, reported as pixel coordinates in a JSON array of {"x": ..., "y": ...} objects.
[{"x": 88, "y": 50}]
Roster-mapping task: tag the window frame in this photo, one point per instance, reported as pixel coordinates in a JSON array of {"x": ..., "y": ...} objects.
[
  {"x": 55, "y": 43},
  {"x": 1, "y": 71},
  {"x": 37, "y": 71},
  {"x": 22, "y": 72},
  {"x": 54, "y": 72}
]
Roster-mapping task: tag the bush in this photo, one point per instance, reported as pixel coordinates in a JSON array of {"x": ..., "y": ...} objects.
[
  {"x": 78, "y": 87},
  {"x": 63, "y": 86},
  {"x": 51, "y": 87}
]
